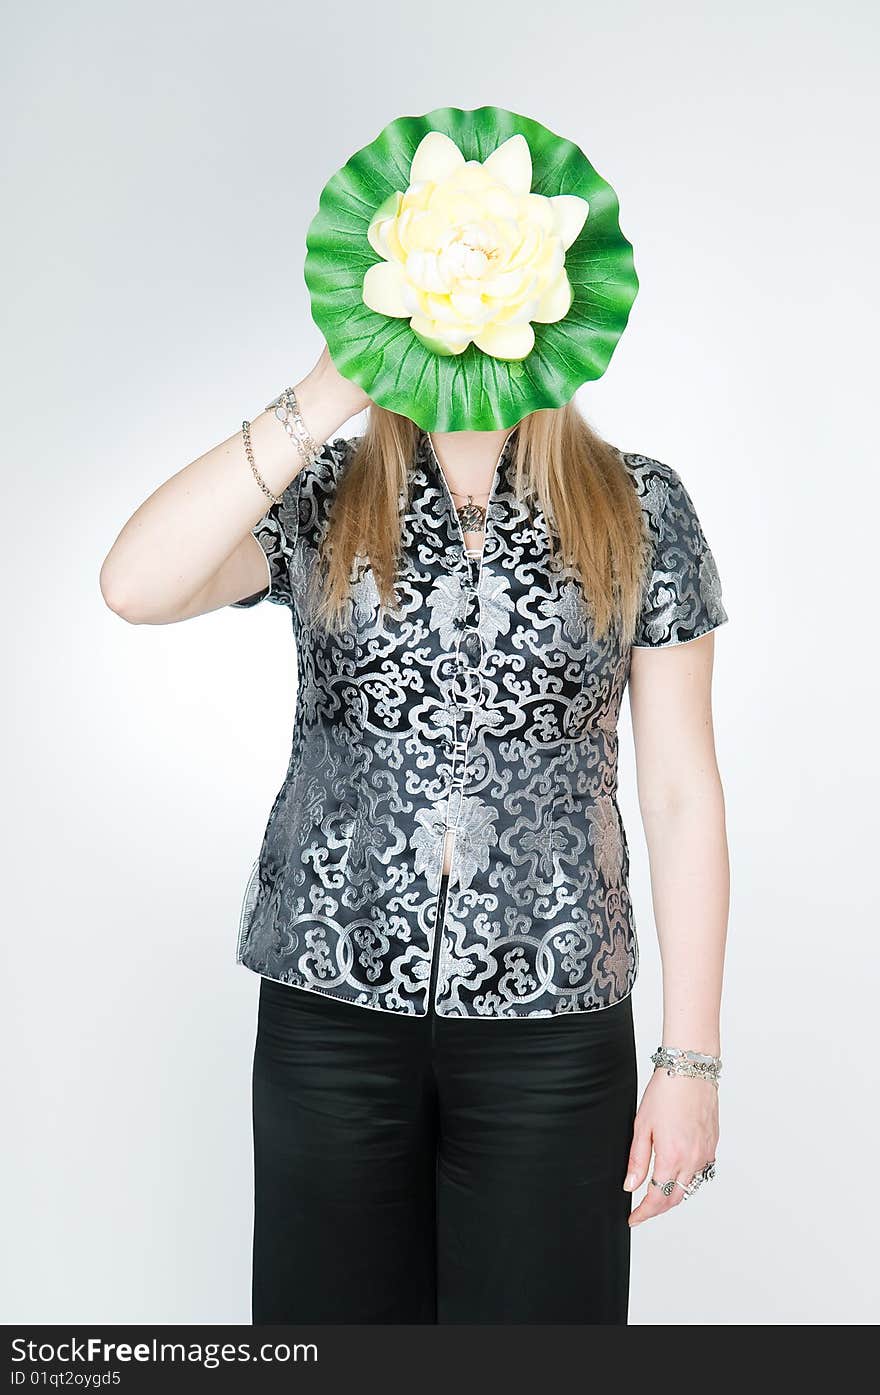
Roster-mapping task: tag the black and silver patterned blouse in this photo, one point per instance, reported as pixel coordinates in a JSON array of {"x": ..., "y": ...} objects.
[{"x": 484, "y": 704}]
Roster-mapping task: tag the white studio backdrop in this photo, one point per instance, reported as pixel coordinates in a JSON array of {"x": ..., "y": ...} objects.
[{"x": 162, "y": 163}]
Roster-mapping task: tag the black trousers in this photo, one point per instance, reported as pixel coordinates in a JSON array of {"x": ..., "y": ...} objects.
[{"x": 439, "y": 1170}]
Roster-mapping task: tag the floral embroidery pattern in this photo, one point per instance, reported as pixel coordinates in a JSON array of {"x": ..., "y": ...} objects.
[
  {"x": 606, "y": 838},
  {"x": 569, "y": 608},
  {"x": 447, "y": 604},
  {"x": 474, "y": 836},
  {"x": 655, "y": 500},
  {"x": 364, "y": 595},
  {"x": 495, "y": 609},
  {"x": 546, "y": 842},
  {"x": 614, "y": 962},
  {"x": 710, "y": 584},
  {"x": 682, "y": 596},
  {"x": 369, "y": 834}
]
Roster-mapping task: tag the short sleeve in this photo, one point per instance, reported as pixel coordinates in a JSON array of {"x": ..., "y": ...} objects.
[
  {"x": 276, "y": 533},
  {"x": 309, "y": 493},
  {"x": 682, "y": 594}
]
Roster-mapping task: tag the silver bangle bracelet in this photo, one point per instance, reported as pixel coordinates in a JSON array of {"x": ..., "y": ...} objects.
[
  {"x": 286, "y": 409},
  {"x": 696, "y": 1065}
]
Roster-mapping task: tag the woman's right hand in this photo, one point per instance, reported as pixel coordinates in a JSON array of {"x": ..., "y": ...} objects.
[{"x": 325, "y": 390}]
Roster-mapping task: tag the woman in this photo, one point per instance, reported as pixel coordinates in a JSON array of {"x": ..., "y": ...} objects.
[{"x": 444, "y": 1082}]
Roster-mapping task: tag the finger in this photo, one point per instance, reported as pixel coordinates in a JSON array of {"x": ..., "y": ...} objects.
[
  {"x": 654, "y": 1202},
  {"x": 639, "y": 1159},
  {"x": 694, "y": 1172}
]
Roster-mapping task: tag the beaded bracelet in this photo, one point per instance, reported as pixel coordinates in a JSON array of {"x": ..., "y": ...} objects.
[{"x": 694, "y": 1064}]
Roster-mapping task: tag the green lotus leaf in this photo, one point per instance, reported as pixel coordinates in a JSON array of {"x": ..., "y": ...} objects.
[{"x": 421, "y": 379}]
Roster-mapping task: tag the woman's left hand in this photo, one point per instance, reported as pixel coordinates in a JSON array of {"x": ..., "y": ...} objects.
[{"x": 678, "y": 1119}]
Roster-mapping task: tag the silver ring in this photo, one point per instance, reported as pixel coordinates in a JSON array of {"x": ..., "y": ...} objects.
[
  {"x": 706, "y": 1174},
  {"x": 693, "y": 1186},
  {"x": 667, "y": 1188}
]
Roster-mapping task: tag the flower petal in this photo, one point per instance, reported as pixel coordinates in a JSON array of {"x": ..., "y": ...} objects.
[
  {"x": 518, "y": 312},
  {"x": 386, "y": 210},
  {"x": 555, "y": 303},
  {"x": 384, "y": 239},
  {"x": 550, "y": 260},
  {"x": 507, "y": 284},
  {"x": 437, "y": 339},
  {"x": 384, "y": 287},
  {"x": 417, "y": 196},
  {"x": 455, "y": 205},
  {"x": 439, "y": 309},
  {"x": 529, "y": 247},
  {"x": 571, "y": 214},
  {"x": 425, "y": 232},
  {"x": 511, "y": 164},
  {"x": 471, "y": 309},
  {"x": 474, "y": 180},
  {"x": 501, "y": 203},
  {"x": 424, "y": 271},
  {"x": 436, "y": 158},
  {"x": 537, "y": 209},
  {"x": 506, "y": 341}
]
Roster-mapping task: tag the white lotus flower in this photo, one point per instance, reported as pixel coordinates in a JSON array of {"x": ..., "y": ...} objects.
[{"x": 470, "y": 254}]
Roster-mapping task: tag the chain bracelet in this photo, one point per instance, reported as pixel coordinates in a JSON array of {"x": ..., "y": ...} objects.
[
  {"x": 693, "y": 1064},
  {"x": 246, "y": 434},
  {"x": 286, "y": 409}
]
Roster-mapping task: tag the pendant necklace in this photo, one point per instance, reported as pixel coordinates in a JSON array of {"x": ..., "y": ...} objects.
[{"x": 472, "y": 515}]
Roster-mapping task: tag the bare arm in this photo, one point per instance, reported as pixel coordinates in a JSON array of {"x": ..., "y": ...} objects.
[
  {"x": 682, "y": 806},
  {"x": 189, "y": 549}
]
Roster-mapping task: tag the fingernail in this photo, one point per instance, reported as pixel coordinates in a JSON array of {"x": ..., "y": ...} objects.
[{"x": 630, "y": 1182}]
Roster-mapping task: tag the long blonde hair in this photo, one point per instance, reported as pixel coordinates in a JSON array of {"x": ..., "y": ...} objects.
[{"x": 576, "y": 479}]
